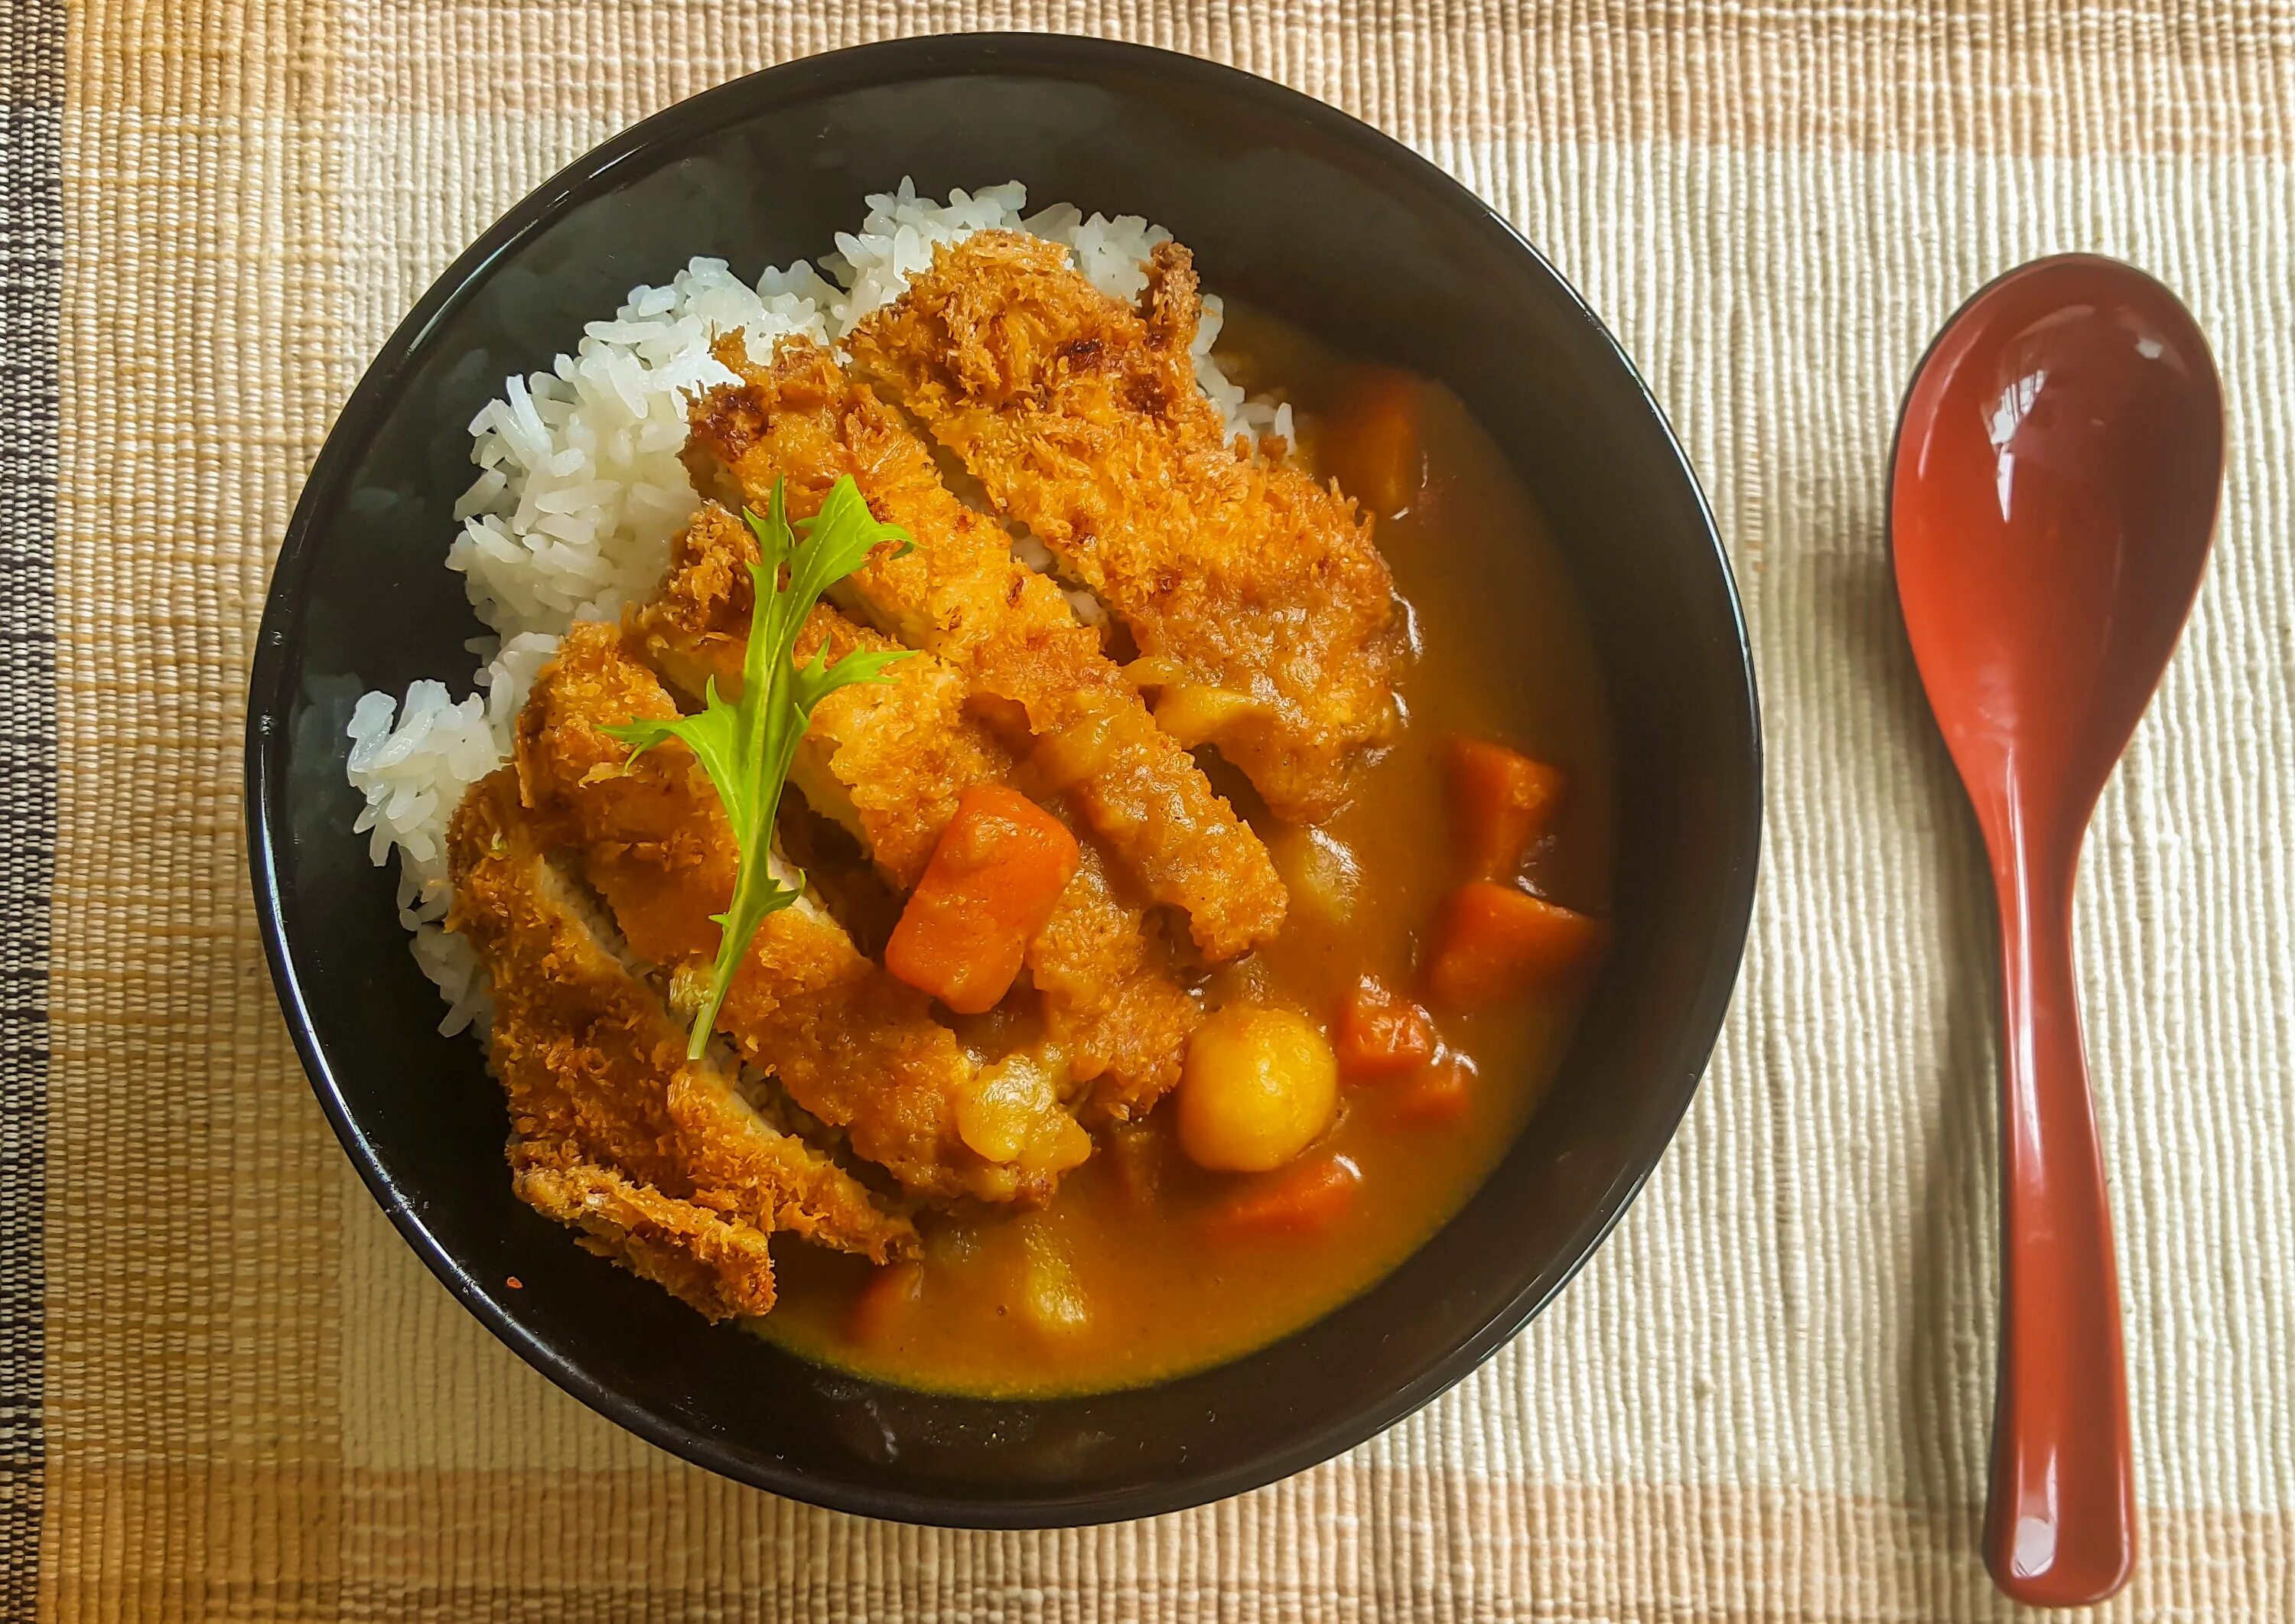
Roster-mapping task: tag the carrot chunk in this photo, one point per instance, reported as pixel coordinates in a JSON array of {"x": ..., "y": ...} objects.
[
  {"x": 1493, "y": 942},
  {"x": 1380, "y": 1033},
  {"x": 1437, "y": 1095},
  {"x": 1371, "y": 442},
  {"x": 1500, "y": 801},
  {"x": 1303, "y": 1198},
  {"x": 992, "y": 881}
]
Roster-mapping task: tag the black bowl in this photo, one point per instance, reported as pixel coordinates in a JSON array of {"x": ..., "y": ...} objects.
[{"x": 1286, "y": 202}]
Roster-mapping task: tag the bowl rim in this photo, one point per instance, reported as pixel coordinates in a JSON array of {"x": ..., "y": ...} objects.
[{"x": 270, "y": 700}]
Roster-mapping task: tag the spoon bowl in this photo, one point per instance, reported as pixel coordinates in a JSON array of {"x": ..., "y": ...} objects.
[{"x": 2052, "y": 499}]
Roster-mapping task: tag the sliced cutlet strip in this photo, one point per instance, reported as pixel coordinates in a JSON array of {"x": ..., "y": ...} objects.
[
  {"x": 888, "y": 760},
  {"x": 850, "y": 1044},
  {"x": 1079, "y": 414},
  {"x": 602, "y": 1097},
  {"x": 715, "y": 1264},
  {"x": 959, "y": 593}
]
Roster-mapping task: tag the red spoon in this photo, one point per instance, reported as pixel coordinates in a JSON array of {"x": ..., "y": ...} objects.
[{"x": 2054, "y": 495}]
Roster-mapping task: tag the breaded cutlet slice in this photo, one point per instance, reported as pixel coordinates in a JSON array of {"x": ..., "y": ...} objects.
[
  {"x": 720, "y": 1266},
  {"x": 1080, "y": 416},
  {"x": 888, "y": 762},
  {"x": 602, "y": 1097},
  {"x": 848, "y": 1042},
  {"x": 957, "y": 594}
]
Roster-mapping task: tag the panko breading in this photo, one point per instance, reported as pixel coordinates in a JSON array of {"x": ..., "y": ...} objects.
[
  {"x": 889, "y": 761},
  {"x": 1080, "y": 416},
  {"x": 958, "y": 594},
  {"x": 717, "y": 1265},
  {"x": 849, "y": 1043},
  {"x": 604, "y": 1101}
]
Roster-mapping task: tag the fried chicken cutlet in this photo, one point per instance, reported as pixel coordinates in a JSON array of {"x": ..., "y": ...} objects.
[
  {"x": 1079, "y": 414},
  {"x": 657, "y": 1159},
  {"x": 888, "y": 760},
  {"x": 958, "y": 594},
  {"x": 852, "y": 1045}
]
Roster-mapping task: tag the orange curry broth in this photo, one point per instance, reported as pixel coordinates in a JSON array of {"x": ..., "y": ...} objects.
[{"x": 1127, "y": 1277}]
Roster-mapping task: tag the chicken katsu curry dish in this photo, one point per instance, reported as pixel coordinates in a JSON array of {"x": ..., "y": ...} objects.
[{"x": 1024, "y": 830}]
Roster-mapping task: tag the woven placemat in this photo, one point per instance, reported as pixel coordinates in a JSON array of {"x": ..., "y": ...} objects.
[{"x": 227, "y": 1390}]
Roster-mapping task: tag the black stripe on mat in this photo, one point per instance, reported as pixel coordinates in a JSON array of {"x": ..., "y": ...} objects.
[{"x": 31, "y": 269}]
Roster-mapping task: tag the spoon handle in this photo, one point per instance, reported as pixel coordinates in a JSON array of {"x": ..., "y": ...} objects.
[{"x": 2061, "y": 1528}]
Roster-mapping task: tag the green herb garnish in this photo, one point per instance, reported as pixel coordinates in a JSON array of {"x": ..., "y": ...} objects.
[{"x": 746, "y": 749}]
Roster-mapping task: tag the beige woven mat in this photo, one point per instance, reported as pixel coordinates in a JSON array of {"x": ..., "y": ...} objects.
[{"x": 1768, "y": 1396}]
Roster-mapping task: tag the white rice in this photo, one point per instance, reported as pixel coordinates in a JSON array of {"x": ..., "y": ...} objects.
[{"x": 580, "y": 489}]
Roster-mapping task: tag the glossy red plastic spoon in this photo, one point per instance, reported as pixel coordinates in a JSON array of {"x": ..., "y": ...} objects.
[{"x": 2054, "y": 496}]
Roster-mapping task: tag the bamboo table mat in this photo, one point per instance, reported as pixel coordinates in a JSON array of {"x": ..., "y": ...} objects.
[{"x": 227, "y": 1391}]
